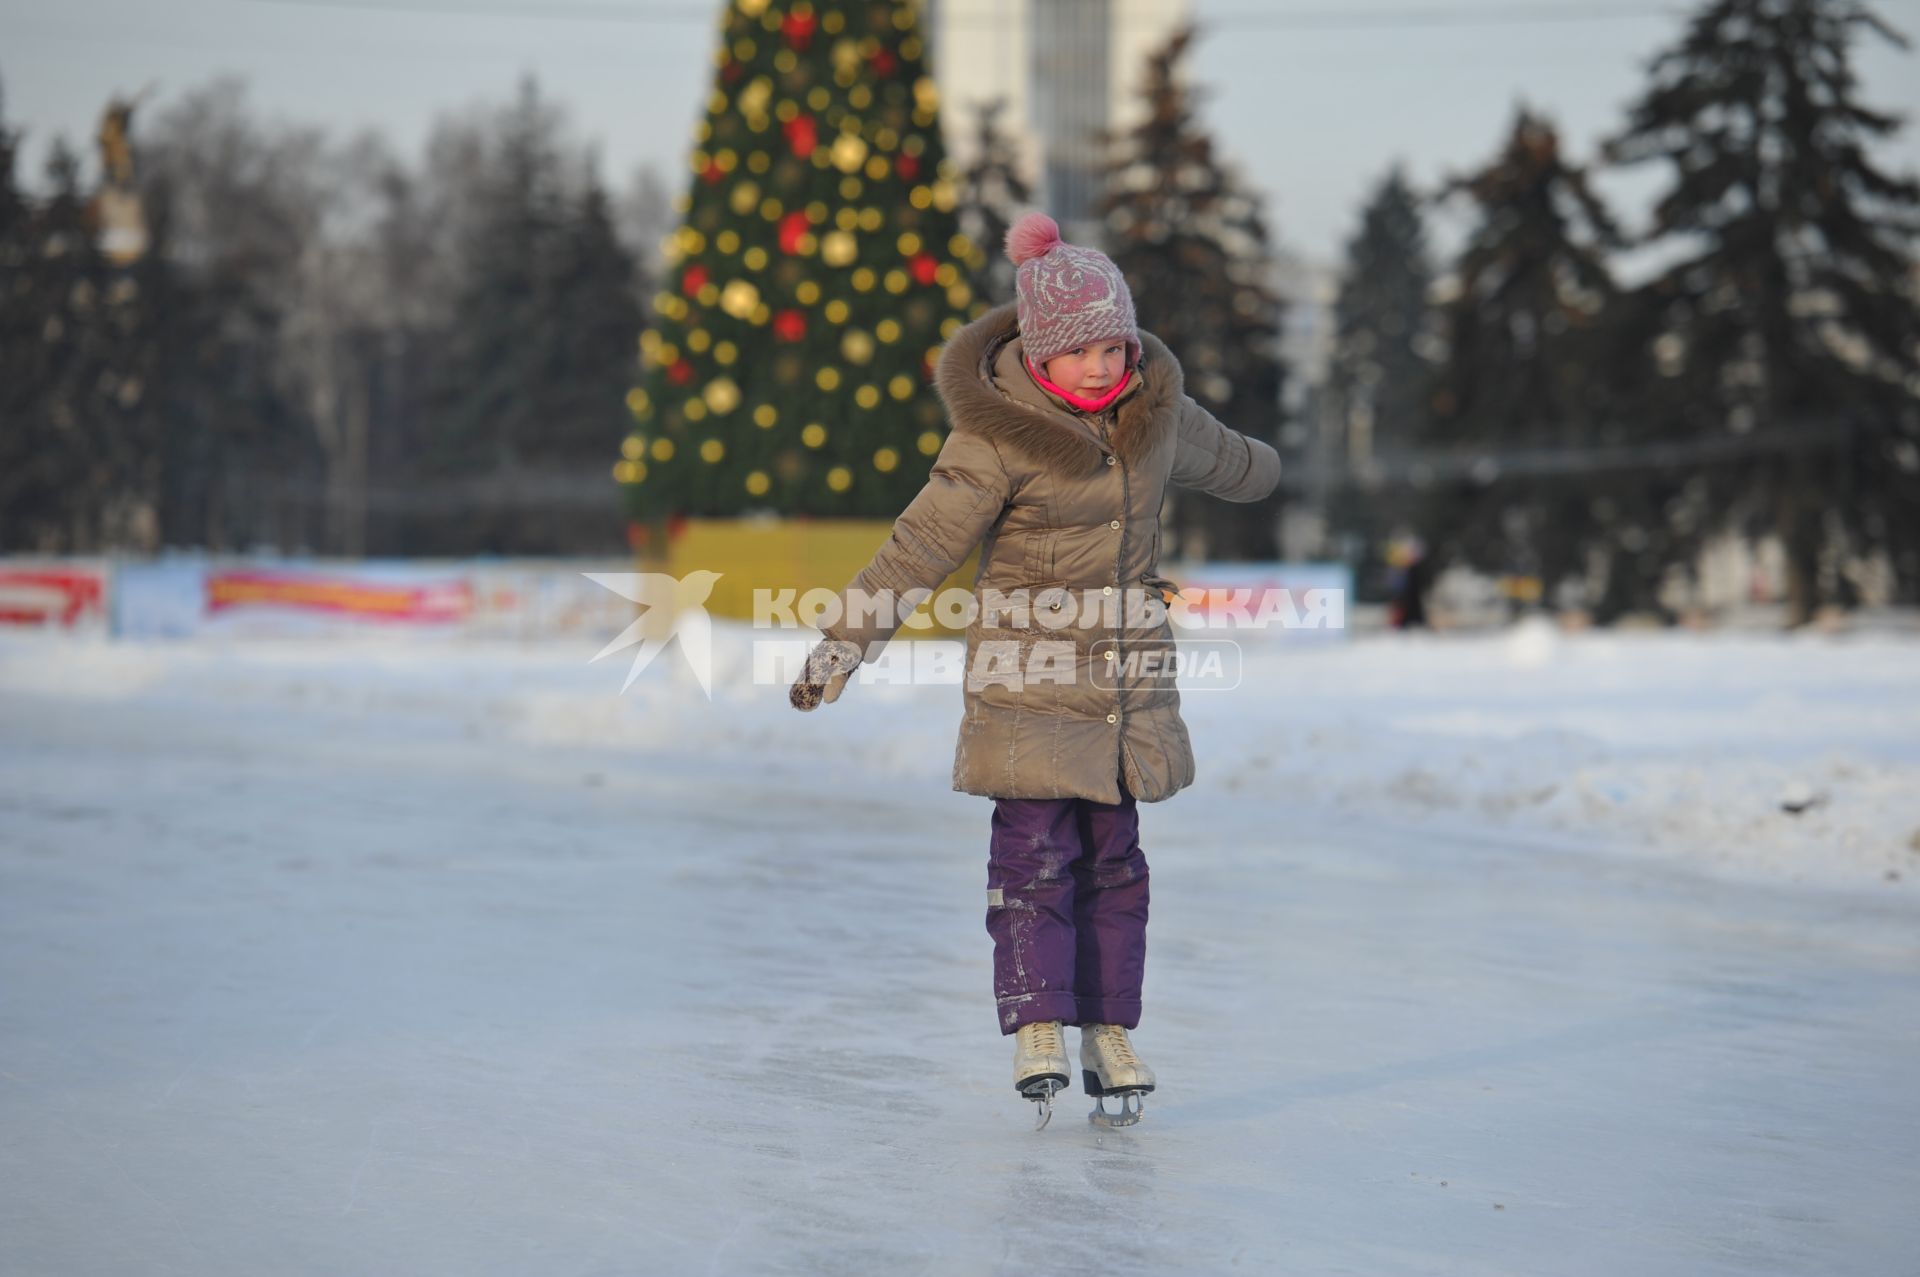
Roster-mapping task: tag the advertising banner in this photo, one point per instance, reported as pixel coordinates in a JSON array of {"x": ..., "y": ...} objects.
[{"x": 65, "y": 594}]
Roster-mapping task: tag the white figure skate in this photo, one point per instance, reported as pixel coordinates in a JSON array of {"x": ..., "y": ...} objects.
[
  {"x": 1040, "y": 1068},
  {"x": 1109, "y": 1067}
]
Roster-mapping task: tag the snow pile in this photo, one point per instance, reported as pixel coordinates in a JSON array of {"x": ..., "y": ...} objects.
[{"x": 1782, "y": 756}]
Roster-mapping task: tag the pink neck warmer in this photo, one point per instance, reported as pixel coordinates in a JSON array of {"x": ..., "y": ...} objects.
[{"x": 1073, "y": 400}]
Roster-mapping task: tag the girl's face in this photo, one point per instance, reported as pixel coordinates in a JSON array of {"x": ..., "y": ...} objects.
[{"x": 1088, "y": 371}]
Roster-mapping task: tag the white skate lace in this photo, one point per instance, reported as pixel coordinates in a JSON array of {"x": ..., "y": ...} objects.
[
  {"x": 1043, "y": 1039},
  {"x": 1114, "y": 1041}
]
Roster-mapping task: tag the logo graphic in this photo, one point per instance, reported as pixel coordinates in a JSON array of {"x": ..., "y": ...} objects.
[{"x": 670, "y": 608}]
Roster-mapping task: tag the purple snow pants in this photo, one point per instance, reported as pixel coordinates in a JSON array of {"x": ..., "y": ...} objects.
[{"x": 1067, "y": 910}]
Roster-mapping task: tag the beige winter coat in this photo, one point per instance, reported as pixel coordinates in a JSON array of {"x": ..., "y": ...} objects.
[{"x": 1058, "y": 500}]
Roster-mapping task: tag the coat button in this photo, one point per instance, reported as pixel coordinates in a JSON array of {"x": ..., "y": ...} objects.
[
  {"x": 1106, "y": 589},
  {"x": 1110, "y": 655},
  {"x": 1112, "y": 460},
  {"x": 1114, "y": 524},
  {"x": 1113, "y": 718}
]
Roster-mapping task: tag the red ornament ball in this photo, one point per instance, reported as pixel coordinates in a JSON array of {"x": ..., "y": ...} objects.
[
  {"x": 789, "y": 325},
  {"x": 922, "y": 267},
  {"x": 802, "y": 135},
  {"x": 884, "y": 63},
  {"x": 798, "y": 29},
  {"x": 907, "y": 167},
  {"x": 792, "y": 228},
  {"x": 694, "y": 280},
  {"x": 680, "y": 373}
]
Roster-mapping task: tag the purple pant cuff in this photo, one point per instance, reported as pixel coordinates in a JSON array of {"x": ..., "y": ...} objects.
[
  {"x": 1035, "y": 1008},
  {"x": 1124, "y": 1012}
]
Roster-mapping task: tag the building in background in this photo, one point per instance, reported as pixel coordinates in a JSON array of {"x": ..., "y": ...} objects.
[{"x": 1069, "y": 71}]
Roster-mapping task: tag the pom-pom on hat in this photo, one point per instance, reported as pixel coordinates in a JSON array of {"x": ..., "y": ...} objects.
[{"x": 1067, "y": 296}]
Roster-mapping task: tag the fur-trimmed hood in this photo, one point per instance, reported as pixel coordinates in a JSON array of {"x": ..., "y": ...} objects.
[{"x": 975, "y": 403}]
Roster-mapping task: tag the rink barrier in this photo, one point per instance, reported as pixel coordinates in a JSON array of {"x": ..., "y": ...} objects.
[
  {"x": 798, "y": 555},
  {"x": 194, "y": 596}
]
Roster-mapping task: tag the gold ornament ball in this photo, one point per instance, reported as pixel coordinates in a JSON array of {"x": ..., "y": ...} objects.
[
  {"x": 722, "y": 395},
  {"x": 739, "y": 298},
  {"x": 838, "y": 249},
  {"x": 857, "y": 346}
]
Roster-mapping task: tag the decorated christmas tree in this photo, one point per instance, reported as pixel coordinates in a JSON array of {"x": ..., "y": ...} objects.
[{"x": 817, "y": 268}]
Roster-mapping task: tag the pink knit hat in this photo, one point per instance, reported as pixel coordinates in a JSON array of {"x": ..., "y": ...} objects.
[{"x": 1068, "y": 296}]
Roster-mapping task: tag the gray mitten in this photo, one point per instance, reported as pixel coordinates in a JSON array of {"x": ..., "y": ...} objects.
[{"x": 828, "y": 665}]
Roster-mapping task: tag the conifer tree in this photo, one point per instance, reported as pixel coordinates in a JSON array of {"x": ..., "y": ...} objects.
[
  {"x": 1379, "y": 371},
  {"x": 23, "y": 350},
  {"x": 818, "y": 268},
  {"x": 1526, "y": 353},
  {"x": 492, "y": 404},
  {"x": 1378, "y": 374},
  {"x": 992, "y": 194},
  {"x": 1788, "y": 325},
  {"x": 1194, "y": 247},
  {"x": 540, "y": 346},
  {"x": 597, "y": 315}
]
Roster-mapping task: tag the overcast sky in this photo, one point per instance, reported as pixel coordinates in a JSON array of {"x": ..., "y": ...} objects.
[{"x": 1313, "y": 108}]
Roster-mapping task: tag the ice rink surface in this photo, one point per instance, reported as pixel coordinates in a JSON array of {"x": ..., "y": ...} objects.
[{"x": 1468, "y": 956}]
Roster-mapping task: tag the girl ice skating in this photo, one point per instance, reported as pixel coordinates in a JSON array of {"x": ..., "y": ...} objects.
[{"x": 1068, "y": 425}]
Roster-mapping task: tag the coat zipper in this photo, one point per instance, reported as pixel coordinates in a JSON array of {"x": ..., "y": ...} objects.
[{"x": 1119, "y": 560}]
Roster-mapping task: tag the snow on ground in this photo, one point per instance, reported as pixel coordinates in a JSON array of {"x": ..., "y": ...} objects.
[
  {"x": 1469, "y": 955},
  {"x": 1675, "y": 745}
]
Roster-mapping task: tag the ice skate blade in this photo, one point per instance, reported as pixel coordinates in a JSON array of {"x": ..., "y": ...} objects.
[
  {"x": 1133, "y": 1107},
  {"x": 1041, "y": 1091}
]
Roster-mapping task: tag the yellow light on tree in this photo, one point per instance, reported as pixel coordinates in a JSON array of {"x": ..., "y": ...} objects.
[
  {"x": 838, "y": 249},
  {"x": 739, "y": 298},
  {"x": 857, "y": 346},
  {"x": 849, "y": 152}
]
